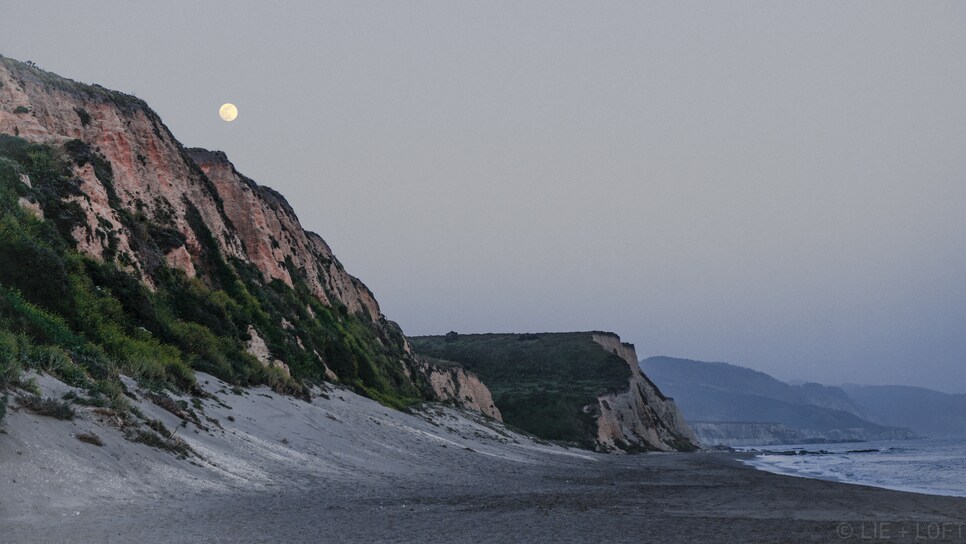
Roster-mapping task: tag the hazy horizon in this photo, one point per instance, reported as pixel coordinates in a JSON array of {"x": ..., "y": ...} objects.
[{"x": 776, "y": 185}]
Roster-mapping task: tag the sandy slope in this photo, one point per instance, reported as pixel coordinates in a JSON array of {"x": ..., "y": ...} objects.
[{"x": 344, "y": 468}]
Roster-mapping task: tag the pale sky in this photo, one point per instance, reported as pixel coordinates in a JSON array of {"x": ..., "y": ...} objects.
[{"x": 780, "y": 185}]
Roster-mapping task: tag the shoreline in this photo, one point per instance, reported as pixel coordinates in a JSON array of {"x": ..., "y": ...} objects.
[
  {"x": 872, "y": 467},
  {"x": 345, "y": 469}
]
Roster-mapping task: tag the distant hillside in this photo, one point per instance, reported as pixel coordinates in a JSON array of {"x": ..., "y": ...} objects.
[
  {"x": 583, "y": 388},
  {"x": 934, "y": 414},
  {"x": 720, "y": 392}
]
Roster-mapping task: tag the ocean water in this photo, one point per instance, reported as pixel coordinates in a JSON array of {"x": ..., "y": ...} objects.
[{"x": 936, "y": 467}]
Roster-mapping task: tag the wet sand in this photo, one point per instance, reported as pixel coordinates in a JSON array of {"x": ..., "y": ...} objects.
[{"x": 648, "y": 498}]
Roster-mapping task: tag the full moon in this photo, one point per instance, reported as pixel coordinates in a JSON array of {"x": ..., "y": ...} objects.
[{"x": 228, "y": 112}]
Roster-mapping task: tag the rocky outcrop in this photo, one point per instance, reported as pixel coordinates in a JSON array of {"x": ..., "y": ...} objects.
[
  {"x": 31, "y": 206},
  {"x": 453, "y": 383},
  {"x": 640, "y": 418},
  {"x": 738, "y": 434},
  {"x": 257, "y": 347}
]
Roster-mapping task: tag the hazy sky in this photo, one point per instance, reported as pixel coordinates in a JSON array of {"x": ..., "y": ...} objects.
[{"x": 779, "y": 185}]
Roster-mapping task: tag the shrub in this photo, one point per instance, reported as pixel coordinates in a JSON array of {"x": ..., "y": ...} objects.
[
  {"x": 41, "y": 326},
  {"x": 173, "y": 444},
  {"x": 111, "y": 393},
  {"x": 49, "y": 359},
  {"x": 29, "y": 385},
  {"x": 177, "y": 408},
  {"x": 85, "y": 118},
  {"x": 279, "y": 381},
  {"x": 46, "y": 406},
  {"x": 73, "y": 375},
  {"x": 56, "y": 362},
  {"x": 30, "y": 266},
  {"x": 89, "y": 438},
  {"x": 21, "y": 109},
  {"x": 159, "y": 427}
]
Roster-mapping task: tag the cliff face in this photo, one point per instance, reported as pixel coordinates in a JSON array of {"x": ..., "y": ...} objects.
[
  {"x": 640, "y": 417},
  {"x": 136, "y": 199},
  {"x": 453, "y": 383},
  {"x": 271, "y": 235},
  {"x": 152, "y": 175},
  {"x": 149, "y": 172}
]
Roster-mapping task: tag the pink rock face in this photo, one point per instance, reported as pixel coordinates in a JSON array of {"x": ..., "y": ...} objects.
[
  {"x": 153, "y": 175},
  {"x": 272, "y": 234}
]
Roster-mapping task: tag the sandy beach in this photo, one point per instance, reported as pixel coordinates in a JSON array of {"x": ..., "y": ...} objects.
[{"x": 345, "y": 469}]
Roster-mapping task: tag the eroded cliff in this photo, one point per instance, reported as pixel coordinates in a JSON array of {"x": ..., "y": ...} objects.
[
  {"x": 453, "y": 383},
  {"x": 275, "y": 241},
  {"x": 640, "y": 418},
  {"x": 149, "y": 173},
  {"x": 134, "y": 198}
]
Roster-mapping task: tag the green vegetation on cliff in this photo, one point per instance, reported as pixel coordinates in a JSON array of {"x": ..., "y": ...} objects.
[
  {"x": 87, "y": 321},
  {"x": 540, "y": 382}
]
